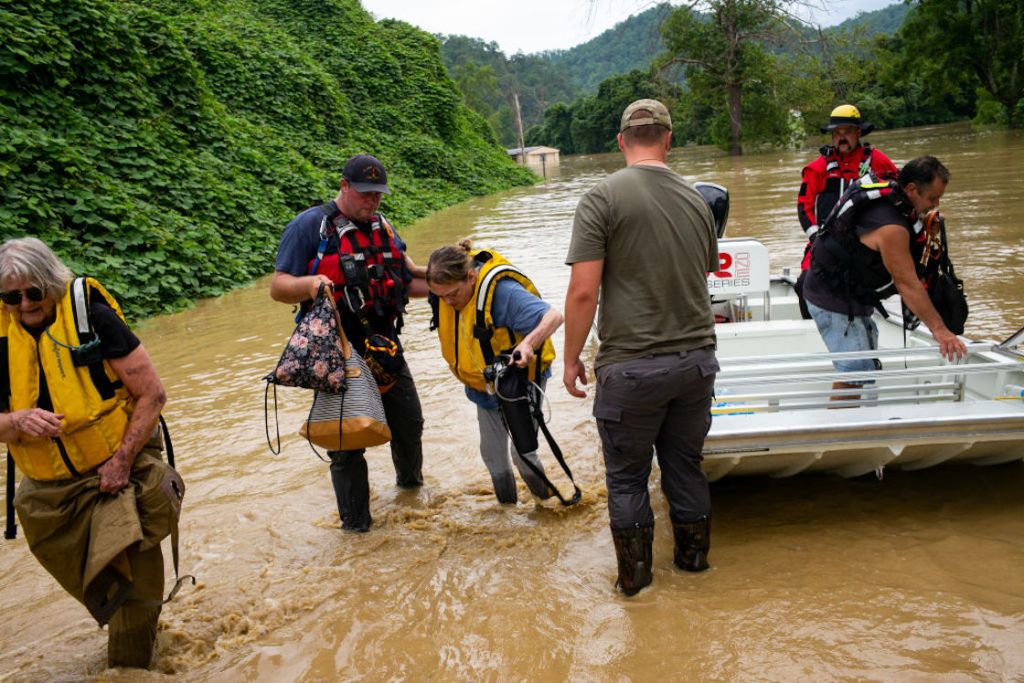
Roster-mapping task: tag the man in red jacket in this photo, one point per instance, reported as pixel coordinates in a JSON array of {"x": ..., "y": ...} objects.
[{"x": 827, "y": 177}]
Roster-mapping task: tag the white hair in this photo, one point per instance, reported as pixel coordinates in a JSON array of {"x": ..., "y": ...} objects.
[{"x": 30, "y": 259}]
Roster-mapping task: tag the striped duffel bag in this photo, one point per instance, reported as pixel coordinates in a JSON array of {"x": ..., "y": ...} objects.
[
  {"x": 351, "y": 419},
  {"x": 347, "y": 412}
]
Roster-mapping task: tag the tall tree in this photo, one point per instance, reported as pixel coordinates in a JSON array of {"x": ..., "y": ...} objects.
[
  {"x": 984, "y": 37},
  {"x": 722, "y": 44}
]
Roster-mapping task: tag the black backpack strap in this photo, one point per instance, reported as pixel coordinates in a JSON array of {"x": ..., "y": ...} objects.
[
  {"x": 945, "y": 263},
  {"x": 538, "y": 416},
  {"x": 168, "y": 446},
  {"x": 87, "y": 353},
  {"x": 11, "y": 527}
]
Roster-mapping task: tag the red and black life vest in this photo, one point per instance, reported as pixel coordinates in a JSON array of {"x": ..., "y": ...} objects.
[
  {"x": 826, "y": 178},
  {"x": 836, "y": 181},
  {"x": 366, "y": 267}
]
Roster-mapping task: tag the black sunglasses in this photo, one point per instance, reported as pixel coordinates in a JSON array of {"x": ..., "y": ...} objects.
[{"x": 13, "y": 298}]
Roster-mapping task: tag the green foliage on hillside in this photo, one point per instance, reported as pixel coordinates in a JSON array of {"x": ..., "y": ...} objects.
[
  {"x": 489, "y": 80},
  {"x": 927, "y": 61},
  {"x": 629, "y": 45},
  {"x": 882, "y": 22},
  {"x": 791, "y": 67},
  {"x": 634, "y": 43},
  {"x": 162, "y": 145}
]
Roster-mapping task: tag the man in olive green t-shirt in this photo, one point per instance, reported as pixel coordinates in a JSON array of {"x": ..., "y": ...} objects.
[{"x": 645, "y": 240}]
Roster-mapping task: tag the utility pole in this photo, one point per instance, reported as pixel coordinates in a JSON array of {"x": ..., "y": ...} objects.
[{"x": 519, "y": 128}]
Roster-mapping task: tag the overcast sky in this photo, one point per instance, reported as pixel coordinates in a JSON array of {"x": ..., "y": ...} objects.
[{"x": 536, "y": 25}]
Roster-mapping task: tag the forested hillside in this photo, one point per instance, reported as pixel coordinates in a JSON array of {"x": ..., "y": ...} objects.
[
  {"x": 488, "y": 78},
  {"x": 490, "y": 81},
  {"x": 161, "y": 145},
  {"x": 629, "y": 45},
  {"x": 753, "y": 78}
]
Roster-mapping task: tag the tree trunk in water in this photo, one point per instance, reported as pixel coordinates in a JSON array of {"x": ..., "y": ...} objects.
[{"x": 735, "y": 120}]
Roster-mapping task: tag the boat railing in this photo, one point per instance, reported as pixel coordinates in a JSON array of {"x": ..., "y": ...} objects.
[{"x": 805, "y": 381}]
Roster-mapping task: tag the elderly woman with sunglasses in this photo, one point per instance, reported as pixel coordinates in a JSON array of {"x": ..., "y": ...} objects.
[{"x": 80, "y": 401}]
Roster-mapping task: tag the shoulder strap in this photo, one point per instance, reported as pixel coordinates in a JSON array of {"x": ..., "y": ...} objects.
[
  {"x": 80, "y": 307},
  {"x": 168, "y": 446},
  {"x": 11, "y": 528},
  {"x": 327, "y": 230},
  {"x": 87, "y": 353},
  {"x": 386, "y": 223},
  {"x": 865, "y": 164},
  {"x": 483, "y": 331},
  {"x": 5, "y": 376},
  {"x": 435, "y": 308}
]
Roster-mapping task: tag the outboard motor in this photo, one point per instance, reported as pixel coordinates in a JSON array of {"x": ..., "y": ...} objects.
[{"x": 717, "y": 198}]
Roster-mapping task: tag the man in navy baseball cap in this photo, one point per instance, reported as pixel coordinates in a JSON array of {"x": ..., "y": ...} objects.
[
  {"x": 348, "y": 245},
  {"x": 365, "y": 173}
]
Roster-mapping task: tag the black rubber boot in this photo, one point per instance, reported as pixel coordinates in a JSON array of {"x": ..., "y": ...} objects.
[
  {"x": 352, "y": 490},
  {"x": 693, "y": 540},
  {"x": 633, "y": 548}
]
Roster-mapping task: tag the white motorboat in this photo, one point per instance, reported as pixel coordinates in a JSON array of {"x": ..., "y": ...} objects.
[{"x": 776, "y": 413}]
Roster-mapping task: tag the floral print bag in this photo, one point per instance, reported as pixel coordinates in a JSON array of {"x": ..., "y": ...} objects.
[
  {"x": 315, "y": 355},
  {"x": 347, "y": 411}
]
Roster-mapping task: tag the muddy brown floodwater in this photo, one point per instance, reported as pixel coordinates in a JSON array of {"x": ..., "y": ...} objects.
[{"x": 919, "y": 576}]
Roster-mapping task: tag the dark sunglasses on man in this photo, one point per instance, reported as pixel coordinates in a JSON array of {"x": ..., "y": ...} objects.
[{"x": 13, "y": 297}]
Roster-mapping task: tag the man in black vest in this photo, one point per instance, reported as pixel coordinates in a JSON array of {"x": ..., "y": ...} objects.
[{"x": 883, "y": 245}]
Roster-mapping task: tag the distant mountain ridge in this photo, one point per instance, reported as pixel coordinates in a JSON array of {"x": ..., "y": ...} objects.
[
  {"x": 635, "y": 42},
  {"x": 629, "y": 45},
  {"x": 491, "y": 80}
]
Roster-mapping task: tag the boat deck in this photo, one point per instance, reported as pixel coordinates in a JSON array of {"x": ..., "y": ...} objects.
[{"x": 776, "y": 412}]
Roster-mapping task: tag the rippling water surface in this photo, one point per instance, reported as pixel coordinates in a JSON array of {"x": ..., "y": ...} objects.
[{"x": 917, "y": 577}]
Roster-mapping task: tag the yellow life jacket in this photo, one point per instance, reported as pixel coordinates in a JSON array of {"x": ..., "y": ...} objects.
[
  {"x": 469, "y": 340},
  {"x": 82, "y": 386}
]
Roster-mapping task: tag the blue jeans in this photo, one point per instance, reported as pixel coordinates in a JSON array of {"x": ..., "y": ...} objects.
[{"x": 840, "y": 333}]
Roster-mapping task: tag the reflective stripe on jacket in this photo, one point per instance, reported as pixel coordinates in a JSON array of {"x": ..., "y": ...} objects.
[{"x": 826, "y": 178}]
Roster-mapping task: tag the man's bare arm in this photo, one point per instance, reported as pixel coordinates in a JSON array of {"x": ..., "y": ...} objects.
[
  {"x": 292, "y": 289},
  {"x": 580, "y": 308},
  {"x": 893, "y": 243}
]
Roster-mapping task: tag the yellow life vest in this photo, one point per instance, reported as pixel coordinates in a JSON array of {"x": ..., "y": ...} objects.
[
  {"x": 469, "y": 340},
  {"x": 82, "y": 386}
]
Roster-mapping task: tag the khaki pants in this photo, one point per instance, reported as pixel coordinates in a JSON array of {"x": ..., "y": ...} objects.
[{"x": 81, "y": 535}]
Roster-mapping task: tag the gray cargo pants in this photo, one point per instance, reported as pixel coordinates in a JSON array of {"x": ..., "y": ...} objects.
[
  {"x": 656, "y": 402},
  {"x": 494, "y": 450}
]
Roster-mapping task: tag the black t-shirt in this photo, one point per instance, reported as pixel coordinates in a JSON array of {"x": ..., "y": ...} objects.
[
  {"x": 116, "y": 340},
  {"x": 871, "y": 217}
]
